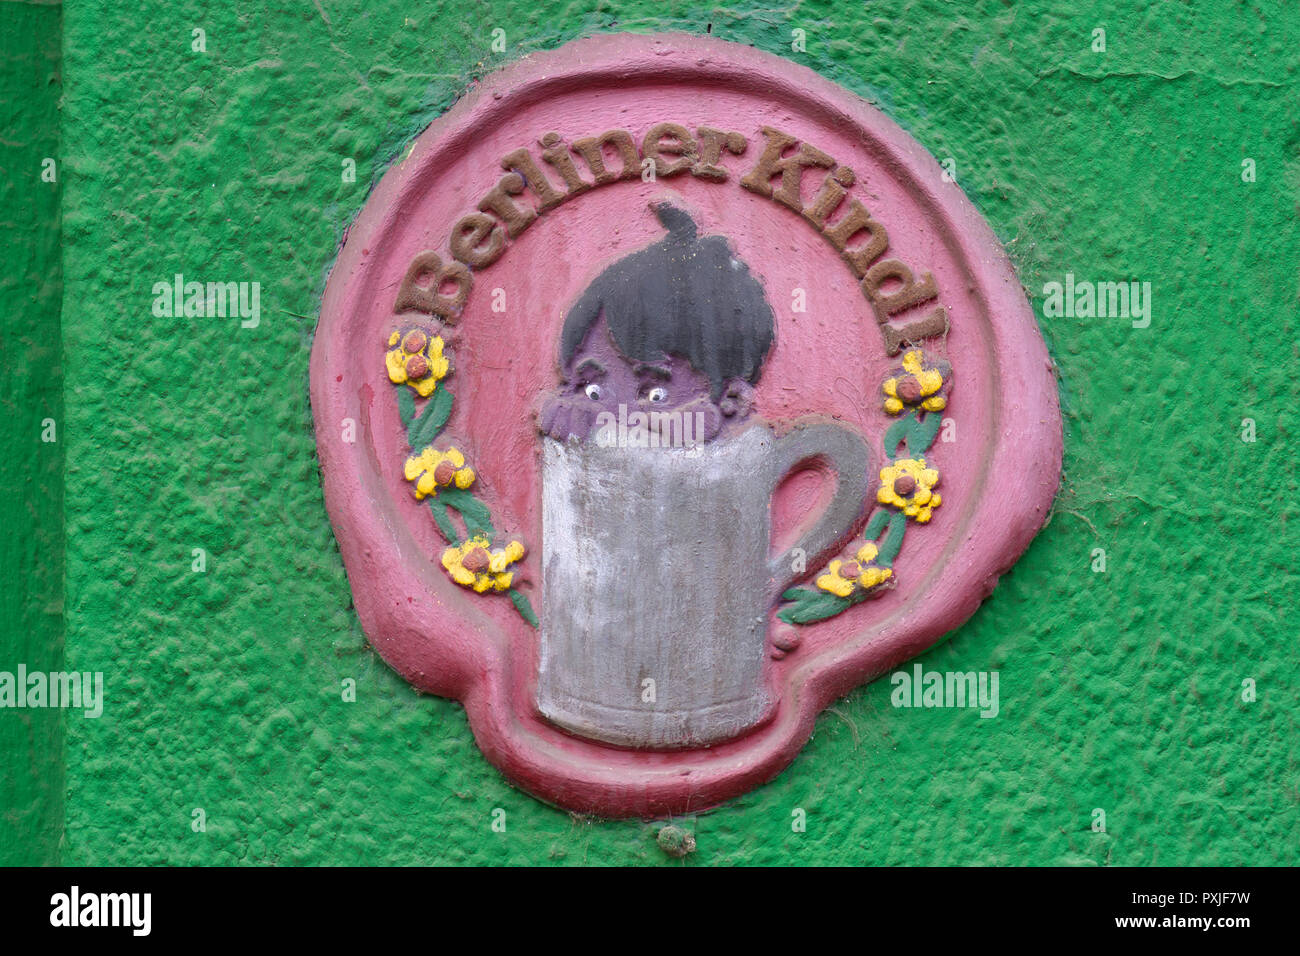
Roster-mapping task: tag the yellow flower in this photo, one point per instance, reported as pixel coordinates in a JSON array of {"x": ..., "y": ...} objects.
[
  {"x": 917, "y": 383},
  {"x": 432, "y": 469},
  {"x": 843, "y": 578},
  {"x": 908, "y": 485},
  {"x": 475, "y": 565},
  {"x": 416, "y": 359}
]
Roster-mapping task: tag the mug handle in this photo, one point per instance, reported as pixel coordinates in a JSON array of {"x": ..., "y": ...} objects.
[{"x": 850, "y": 459}]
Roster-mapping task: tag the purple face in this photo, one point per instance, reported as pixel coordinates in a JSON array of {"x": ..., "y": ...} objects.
[
  {"x": 600, "y": 379},
  {"x": 606, "y": 379}
]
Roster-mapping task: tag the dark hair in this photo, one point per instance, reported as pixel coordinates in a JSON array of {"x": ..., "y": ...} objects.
[{"x": 685, "y": 296}]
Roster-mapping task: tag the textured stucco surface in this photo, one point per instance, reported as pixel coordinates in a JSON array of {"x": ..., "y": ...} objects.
[{"x": 1119, "y": 690}]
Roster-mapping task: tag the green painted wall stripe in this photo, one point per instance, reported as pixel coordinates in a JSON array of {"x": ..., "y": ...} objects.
[{"x": 31, "y": 391}]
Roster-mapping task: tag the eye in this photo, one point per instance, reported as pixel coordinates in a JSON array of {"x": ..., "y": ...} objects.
[
  {"x": 593, "y": 392},
  {"x": 657, "y": 395}
]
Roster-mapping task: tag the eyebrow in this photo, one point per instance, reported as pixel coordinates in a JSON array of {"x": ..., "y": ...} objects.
[
  {"x": 657, "y": 371},
  {"x": 589, "y": 366}
]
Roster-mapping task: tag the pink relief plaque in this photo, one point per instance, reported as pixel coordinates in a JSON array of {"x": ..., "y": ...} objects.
[{"x": 664, "y": 392}]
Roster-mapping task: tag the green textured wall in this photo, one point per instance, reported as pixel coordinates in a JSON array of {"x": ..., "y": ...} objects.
[
  {"x": 31, "y": 396},
  {"x": 1119, "y": 690}
]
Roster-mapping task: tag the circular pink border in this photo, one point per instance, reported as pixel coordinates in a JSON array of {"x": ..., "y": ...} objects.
[{"x": 400, "y": 590}]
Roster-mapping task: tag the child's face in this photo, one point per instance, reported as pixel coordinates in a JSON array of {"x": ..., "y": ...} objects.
[
  {"x": 600, "y": 379},
  {"x": 606, "y": 378}
]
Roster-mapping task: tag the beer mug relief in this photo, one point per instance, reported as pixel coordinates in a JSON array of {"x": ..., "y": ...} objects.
[{"x": 664, "y": 392}]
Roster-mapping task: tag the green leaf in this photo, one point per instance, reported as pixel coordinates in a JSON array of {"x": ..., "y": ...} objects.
[
  {"x": 894, "y": 543},
  {"x": 917, "y": 433},
  {"x": 424, "y": 429},
  {"x": 443, "y": 521},
  {"x": 520, "y": 601},
  {"x": 478, "y": 520},
  {"x": 876, "y": 524},
  {"x": 897, "y": 434},
  {"x": 405, "y": 405},
  {"x": 923, "y": 432},
  {"x": 812, "y": 606}
]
